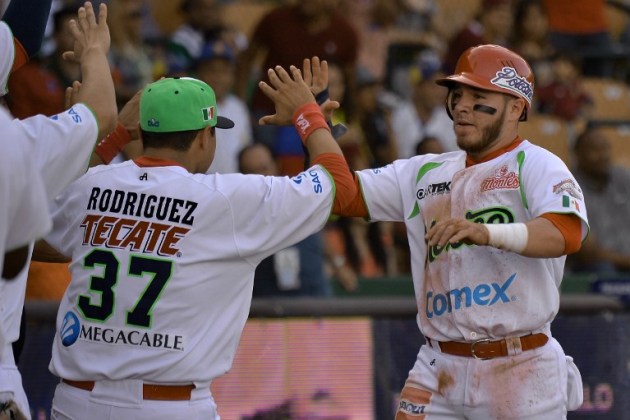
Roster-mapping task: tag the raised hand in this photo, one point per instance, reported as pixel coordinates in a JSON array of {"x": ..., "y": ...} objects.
[
  {"x": 288, "y": 92},
  {"x": 88, "y": 32}
]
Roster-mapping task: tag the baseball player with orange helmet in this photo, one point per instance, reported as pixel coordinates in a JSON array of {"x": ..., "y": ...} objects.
[
  {"x": 163, "y": 255},
  {"x": 489, "y": 228}
]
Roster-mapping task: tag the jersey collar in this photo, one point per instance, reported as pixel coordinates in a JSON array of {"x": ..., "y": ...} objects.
[
  {"x": 470, "y": 161},
  {"x": 151, "y": 162}
]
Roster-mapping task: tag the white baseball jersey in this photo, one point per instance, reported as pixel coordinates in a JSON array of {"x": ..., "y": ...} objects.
[
  {"x": 464, "y": 292},
  {"x": 163, "y": 265},
  {"x": 7, "y": 52},
  {"x": 59, "y": 148}
]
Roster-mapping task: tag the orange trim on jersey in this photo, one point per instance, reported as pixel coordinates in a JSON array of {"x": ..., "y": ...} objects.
[
  {"x": 344, "y": 184},
  {"x": 470, "y": 161},
  {"x": 21, "y": 56},
  {"x": 570, "y": 225},
  {"x": 151, "y": 162},
  {"x": 356, "y": 207}
]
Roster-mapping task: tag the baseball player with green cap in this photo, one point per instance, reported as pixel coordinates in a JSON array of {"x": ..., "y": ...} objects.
[{"x": 163, "y": 255}]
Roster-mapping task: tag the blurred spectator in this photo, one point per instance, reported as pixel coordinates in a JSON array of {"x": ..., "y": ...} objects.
[
  {"x": 130, "y": 59},
  {"x": 606, "y": 189},
  {"x": 39, "y": 86},
  {"x": 564, "y": 96},
  {"x": 216, "y": 67},
  {"x": 373, "y": 114},
  {"x": 428, "y": 145},
  {"x": 530, "y": 37},
  {"x": 294, "y": 271},
  {"x": 373, "y": 21},
  {"x": 203, "y": 23},
  {"x": 283, "y": 37},
  {"x": 493, "y": 25},
  {"x": 581, "y": 27},
  {"x": 425, "y": 115}
]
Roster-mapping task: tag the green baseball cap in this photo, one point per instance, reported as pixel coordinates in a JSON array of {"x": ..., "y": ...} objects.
[{"x": 179, "y": 104}]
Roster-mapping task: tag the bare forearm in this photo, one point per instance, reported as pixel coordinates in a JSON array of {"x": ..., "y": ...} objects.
[
  {"x": 97, "y": 90},
  {"x": 544, "y": 240}
]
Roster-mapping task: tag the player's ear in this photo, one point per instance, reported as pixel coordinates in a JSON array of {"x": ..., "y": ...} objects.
[{"x": 516, "y": 108}]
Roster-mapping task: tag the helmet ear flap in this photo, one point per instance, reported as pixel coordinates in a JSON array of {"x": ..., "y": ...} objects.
[{"x": 448, "y": 104}]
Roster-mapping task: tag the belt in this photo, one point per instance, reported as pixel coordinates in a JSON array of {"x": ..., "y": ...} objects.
[
  {"x": 149, "y": 391},
  {"x": 487, "y": 349}
]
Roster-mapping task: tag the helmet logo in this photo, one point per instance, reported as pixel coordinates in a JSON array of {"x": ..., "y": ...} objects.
[{"x": 508, "y": 78}]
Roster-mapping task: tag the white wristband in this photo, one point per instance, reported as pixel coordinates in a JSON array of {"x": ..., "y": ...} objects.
[{"x": 508, "y": 236}]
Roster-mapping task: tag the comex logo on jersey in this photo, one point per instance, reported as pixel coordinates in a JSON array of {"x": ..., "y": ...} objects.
[
  {"x": 72, "y": 330},
  {"x": 482, "y": 295}
]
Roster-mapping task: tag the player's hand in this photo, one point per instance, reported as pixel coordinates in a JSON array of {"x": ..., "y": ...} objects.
[
  {"x": 315, "y": 73},
  {"x": 88, "y": 32},
  {"x": 72, "y": 93},
  {"x": 288, "y": 92},
  {"x": 129, "y": 115},
  {"x": 451, "y": 231}
]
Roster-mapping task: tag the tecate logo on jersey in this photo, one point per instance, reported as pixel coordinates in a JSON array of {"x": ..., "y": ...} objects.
[{"x": 485, "y": 294}]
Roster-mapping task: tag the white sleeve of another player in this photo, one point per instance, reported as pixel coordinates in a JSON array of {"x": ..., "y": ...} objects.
[
  {"x": 62, "y": 145},
  {"x": 7, "y": 55},
  {"x": 24, "y": 207},
  {"x": 273, "y": 213}
]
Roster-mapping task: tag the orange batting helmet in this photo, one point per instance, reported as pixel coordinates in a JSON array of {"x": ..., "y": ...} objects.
[{"x": 494, "y": 68}]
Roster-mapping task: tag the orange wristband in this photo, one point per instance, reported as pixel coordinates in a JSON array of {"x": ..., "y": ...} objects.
[
  {"x": 113, "y": 143},
  {"x": 307, "y": 119}
]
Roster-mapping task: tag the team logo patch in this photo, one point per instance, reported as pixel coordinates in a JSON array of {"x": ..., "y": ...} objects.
[
  {"x": 153, "y": 123},
  {"x": 70, "y": 329},
  {"x": 508, "y": 78},
  {"x": 568, "y": 186},
  {"x": 502, "y": 179}
]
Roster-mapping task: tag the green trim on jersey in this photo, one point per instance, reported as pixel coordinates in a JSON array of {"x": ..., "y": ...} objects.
[
  {"x": 421, "y": 173},
  {"x": 520, "y": 158}
]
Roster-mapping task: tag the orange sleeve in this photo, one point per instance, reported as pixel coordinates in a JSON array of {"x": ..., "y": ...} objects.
[
  {"x": 347, "y": 191},
  {"x": 570, "y": 226},
  {"x": 21, "y": 57}
]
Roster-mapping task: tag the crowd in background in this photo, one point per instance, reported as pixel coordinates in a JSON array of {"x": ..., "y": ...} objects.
[{"x": 384, "y": 56}]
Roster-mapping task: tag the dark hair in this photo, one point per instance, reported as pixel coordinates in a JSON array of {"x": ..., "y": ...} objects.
[
  {"x": 62, "y": 14},
  {"x": 177, "y": 140},
  {"x": 249, "y": 147}
]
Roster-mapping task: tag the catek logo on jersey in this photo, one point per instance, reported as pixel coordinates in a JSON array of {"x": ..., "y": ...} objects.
[
  {"x": 485, "y": 294},
  {"x": 434, "y": 189}
]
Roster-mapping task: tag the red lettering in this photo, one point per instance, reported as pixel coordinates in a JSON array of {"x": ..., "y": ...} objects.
[
  {"x": 136, "y": 236},
  {"x": 88, "y": 223},
  {"x": 113, "y": 241},
  {"x": 171, "y": 238},
  {"x": 102, "y": 228},
  {"x": 156, "y": 231}
]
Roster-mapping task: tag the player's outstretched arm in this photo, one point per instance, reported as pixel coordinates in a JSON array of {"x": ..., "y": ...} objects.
[
  {"x": 91, "y": 44},
  {"x": 294, "y": 103},
  {"x": 537, "y": 238}
]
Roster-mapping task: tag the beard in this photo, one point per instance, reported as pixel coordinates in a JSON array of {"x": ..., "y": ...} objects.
[{"x": 489, "y": 135}]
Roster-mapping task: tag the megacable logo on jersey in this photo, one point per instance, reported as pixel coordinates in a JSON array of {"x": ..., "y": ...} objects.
[
  {"x": 484, "y": 294},
  {"x": 70, "y": 329},
  {"x": 502, "y": 179},
  {"x": 508, "y": 78}
]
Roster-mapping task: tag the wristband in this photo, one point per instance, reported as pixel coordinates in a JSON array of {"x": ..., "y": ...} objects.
[
  {"x": 307, "y": 119},
  {"x": 113, "y": 143},
  {"x": 322, "y": 96},
  {"x": 508, "y": 236}
]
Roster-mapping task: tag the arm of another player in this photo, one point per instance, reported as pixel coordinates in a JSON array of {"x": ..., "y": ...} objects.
[
  {"x": 294, "y": 102},
  {"x": 91, "y": 44},
  {"x": 548, "y": 236}
]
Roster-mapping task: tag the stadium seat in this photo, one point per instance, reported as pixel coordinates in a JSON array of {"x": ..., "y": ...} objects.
[
  {"x": 611, "y": 98},
  {"x": 619, "y": 136},
  {"x": 549, "y": 132}
]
